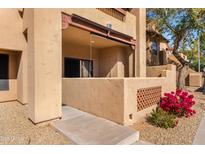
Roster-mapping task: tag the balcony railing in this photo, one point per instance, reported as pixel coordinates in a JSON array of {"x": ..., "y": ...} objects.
[{"x": 114, "y": 12}]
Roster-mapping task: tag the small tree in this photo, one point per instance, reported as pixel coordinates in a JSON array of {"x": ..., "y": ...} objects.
[{"x": 181, "y": 26}]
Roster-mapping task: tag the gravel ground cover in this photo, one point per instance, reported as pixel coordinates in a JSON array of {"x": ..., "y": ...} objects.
[
  {"x": 15, "y": 128},
  {"x": 182, "y": 134}
]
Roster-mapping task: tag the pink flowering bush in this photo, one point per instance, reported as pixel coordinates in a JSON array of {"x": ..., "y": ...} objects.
[{"x": 178, "y": 103}]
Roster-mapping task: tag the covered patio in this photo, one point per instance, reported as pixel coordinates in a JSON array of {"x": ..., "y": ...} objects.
[
  {"x": 99, "y": 73},
  {"x": 88, "y": 53}
]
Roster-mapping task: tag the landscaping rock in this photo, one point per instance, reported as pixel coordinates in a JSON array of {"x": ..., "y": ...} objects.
[
  {"x": 15, "y": 128},
  {"x": 183, "y": 133}
]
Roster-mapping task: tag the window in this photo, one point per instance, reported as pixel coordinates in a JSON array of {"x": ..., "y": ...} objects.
[
  {"x": 4, "y": 72},
  {"x": 78, "y": 68},
  {"x": 154, "y": 48}
]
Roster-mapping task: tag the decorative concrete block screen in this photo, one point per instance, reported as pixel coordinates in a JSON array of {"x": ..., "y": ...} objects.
[{"x": 147, "y": 97}]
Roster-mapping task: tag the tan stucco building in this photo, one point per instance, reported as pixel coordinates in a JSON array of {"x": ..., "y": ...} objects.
[
  {"x": 157, "y": 47},
  {"x": 159, "y": 54},
  {"x": 90, "y": 59}
]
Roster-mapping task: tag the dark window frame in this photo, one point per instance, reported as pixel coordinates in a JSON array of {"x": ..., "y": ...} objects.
[{"x": 66, "y": 73}]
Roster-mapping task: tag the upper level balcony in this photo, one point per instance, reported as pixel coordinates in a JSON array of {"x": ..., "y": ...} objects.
[{"x": 117, "y": 13}]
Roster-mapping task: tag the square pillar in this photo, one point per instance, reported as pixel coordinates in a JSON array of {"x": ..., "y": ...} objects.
[
  {"x": 44, "y": 65},
  {"x": 140, "y": 51}
]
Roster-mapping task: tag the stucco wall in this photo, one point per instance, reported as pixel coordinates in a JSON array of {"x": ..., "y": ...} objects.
[
  {"x": 187, "y": 81},
  {"x": 131, "y": 85},
  {"x": 155, "y": 71},
  {"x": 195, "y": 79},
  {"x": 103, "y": 97},
  {"x": 140, "y": 51},
  {"x": 11, "y": 30},
  {"x": 127, "y": 27},
  {"x": 12, "y": 39},
  {"x": 44, "y": 63},
  {"x": 114, "y": 98},
  {"x": 170, "y": 80},
  {"x": 26, "y": 89},
  {"x": 113, "y": 62}
]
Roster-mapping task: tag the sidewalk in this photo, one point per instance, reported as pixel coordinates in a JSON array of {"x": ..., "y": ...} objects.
[
  {"x": 200, "y": 135},
  {"x": 83, "y": 128}
]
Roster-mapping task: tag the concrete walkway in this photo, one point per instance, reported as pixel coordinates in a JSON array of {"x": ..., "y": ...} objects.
[
  {"x": 199, "y": 139},
  {"x": 83, "y": 128}
]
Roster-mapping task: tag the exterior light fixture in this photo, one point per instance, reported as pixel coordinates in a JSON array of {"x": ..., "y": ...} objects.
[{"x": 109, "y": 25}]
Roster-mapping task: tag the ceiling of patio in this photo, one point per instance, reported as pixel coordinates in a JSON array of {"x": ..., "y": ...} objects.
[{"x": 77, "y": 36}]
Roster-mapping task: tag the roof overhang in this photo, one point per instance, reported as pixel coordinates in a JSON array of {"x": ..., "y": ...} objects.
[
  {"x": 88, "y": 25},
  {"x": 156, "y": 35}
]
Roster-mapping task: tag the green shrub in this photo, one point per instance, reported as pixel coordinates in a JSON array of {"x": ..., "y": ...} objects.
[{"x": 163, "y": 119}]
